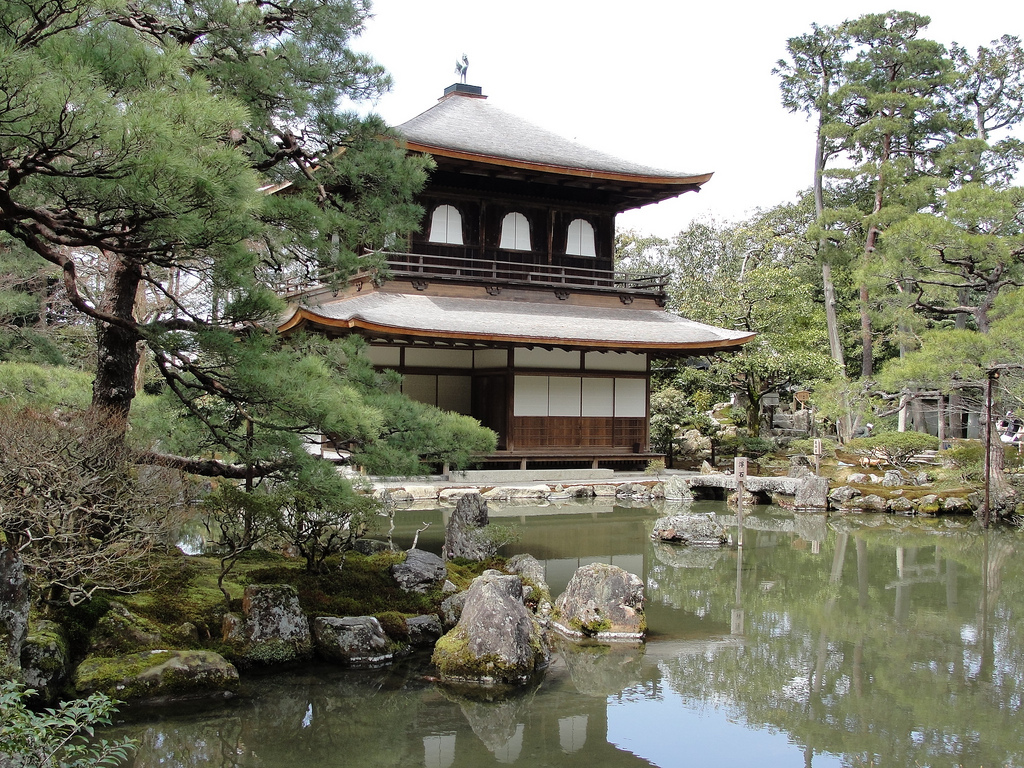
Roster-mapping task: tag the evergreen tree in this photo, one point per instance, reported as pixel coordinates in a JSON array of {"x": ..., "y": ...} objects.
[{"x": 194, "y": 157}]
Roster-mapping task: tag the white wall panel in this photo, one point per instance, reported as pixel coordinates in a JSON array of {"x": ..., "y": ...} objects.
[
  {"x": 616, "y": 361},
  {"x": 564, "y": 396},
  {"x": 558, "y": 359},
  {"x": 630, "y": 398},
  {"x": 439, "y": 358},
  {"x": 531, "y": 396},
  {"x": 598, "y": 397}
]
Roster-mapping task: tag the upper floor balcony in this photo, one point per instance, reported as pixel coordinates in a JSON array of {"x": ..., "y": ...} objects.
[{"x": 497, "y": 267}]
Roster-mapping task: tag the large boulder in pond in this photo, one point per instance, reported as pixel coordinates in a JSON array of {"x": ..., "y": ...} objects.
[
  {"x": 46, "y": 661},
  {"x": 602, "y": 601},
  {"x": 811, "y": 493},
  {"x": 700, "y": 529},
  {"x": 497, "y": 640},
  {"x": 14, "y": 604},
  {"x": 356, "y": 641},
  {"x": 275, "y": 628},
  {"x": 677, "y": 490},
  {"x": 420, "y": 571},
  {"x": 156, "y": 674},
  {"x": 464, "y": 535}
]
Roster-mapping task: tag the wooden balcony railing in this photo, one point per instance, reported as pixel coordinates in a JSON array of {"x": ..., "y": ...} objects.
[{"x": 501, "y": 268}]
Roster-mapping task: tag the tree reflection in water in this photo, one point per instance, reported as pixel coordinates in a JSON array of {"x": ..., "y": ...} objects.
[{"x": 860, "y": 640}]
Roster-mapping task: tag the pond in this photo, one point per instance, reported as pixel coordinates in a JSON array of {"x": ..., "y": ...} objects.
[{"x": 825, "y": 641}]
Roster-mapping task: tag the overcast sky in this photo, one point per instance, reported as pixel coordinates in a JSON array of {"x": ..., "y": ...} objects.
[{"x": 684, "y": 86}]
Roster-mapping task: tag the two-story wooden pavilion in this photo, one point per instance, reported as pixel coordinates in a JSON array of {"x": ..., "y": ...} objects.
[{"x": 507, "y": 306}]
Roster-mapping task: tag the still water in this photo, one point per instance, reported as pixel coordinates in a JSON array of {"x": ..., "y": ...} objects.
[{"x": 826, "y": 641}]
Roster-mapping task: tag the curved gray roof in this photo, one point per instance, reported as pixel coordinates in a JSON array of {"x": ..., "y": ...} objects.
[
  {"x": 500, "y": 321},
  {"x": 471, "y": 125}
]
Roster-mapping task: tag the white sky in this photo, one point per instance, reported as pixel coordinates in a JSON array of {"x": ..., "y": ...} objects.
[{"x": 684, "y": 86}]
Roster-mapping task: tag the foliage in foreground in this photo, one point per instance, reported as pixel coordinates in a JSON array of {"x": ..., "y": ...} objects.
[
  {"x": 62, "y": 737},
  {"x": 83, "y": 516}
]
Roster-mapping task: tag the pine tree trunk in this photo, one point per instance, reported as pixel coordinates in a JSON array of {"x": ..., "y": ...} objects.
[{"x": 118, "y": 355}]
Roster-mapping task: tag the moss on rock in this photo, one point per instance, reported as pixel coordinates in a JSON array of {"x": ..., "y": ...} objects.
[{"x": 157, "y": 673}]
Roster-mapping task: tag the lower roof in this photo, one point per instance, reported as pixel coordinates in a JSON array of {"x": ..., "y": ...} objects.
[{"x": 499, "y": 322}]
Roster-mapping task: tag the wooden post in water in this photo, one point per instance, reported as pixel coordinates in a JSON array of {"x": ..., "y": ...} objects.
[{"x": 740, "y": 471}]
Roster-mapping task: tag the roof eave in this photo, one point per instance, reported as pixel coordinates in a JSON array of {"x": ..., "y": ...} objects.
[
  {"x": 302, "y": 317},
  {"x": 694, "y": 181}
]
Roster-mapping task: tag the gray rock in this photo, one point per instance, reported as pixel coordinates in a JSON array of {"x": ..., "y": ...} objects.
[
  {"x": 928, "y": 505},
  {"x": 531, "y": 569},
  {"x": 156, "y": 674},
  {"x": 579, "y": 491},
  {"x": 451, "y": 609},
  {"x": 513, "y": 492},
  {"x": 527, "y": 566},
  {"x": 697, "y": 530},
  {"x": 14, "y": 605},
  {"x": 276, "y": 629},
  {"x": 799, "y": 471},
  {"x": 420, "y": 571},
  {"x": 46, "y": 661},
  {"x": 812, "y": 493},
  {"x": 464, "y": 534},
  {"x": 957, "y": 505},
  {"x": 859, "y": 478},
  {"x": 497, "y": 639},
  {"x": 901, "y": 506},
  {"x": 356, "y": 641},
  {"x": 893, "y": 478},
  {"x": 871, "y": 502},
  {"x": 424, "y": 630},
  {"x": 693, "y": 443},
  {"x": 920, "y": 478},
  {"x": 843, "y": 494},
  {"x": 677, "y": 489},
  {"x": 604, "y": 601}
]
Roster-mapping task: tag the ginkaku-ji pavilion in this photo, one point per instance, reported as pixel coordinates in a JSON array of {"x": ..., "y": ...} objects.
[{"x": 506, "y": 305}]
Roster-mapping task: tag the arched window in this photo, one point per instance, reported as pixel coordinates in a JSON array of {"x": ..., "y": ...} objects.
[
  {"x": 515, "y": 232},
  {"x": 580, "y": 239},
  {"x": 446, "y": 225}
]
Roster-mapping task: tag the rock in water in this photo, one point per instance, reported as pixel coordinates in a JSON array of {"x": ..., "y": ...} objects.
[
  {"x": 276, "y": 629},
  {"x": 696, "y": 530},
  {"x": 464, "y": 535},
  {"x": 356, "y": 641},
  {"x": 677, "y": 489},
  {"x": 420, "y": 571},
  {"x": 497, "y": 640},
  {"x": 156, "y": 674},
  {"x": 812, "y": 493},
  {"x": 602, "y": 601}
]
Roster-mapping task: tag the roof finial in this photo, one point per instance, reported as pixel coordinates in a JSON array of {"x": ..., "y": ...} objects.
[{"x": 462, "y": 67}]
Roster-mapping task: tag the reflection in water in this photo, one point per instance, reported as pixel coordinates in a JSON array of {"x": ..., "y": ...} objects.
[{"x": 861, "y": 640}]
